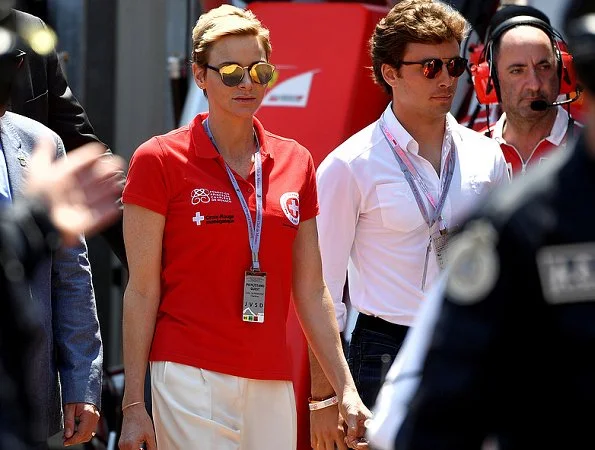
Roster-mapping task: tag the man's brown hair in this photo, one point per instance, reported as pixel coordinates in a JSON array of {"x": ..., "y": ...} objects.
[{"x": 412, "y": 21}]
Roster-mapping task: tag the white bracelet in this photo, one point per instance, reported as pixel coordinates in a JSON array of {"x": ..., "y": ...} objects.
[{"x": 323, "y": 403}]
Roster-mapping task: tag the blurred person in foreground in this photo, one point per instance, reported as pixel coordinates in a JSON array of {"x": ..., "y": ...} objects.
[
  {"x": 220, "y": 232},
  {"x": 503, "y": 352},
  {"x": 65, "y": 380},
  {"x": 393, "y": 193},
  {"x": 61, "y": 200}
]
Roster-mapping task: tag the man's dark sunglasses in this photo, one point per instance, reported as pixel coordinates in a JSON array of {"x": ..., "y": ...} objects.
[{"x": 433, "y": 66}]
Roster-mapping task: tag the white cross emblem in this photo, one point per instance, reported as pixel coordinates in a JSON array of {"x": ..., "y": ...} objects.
[
  {"x": 198, "y": 218},
  {"x": 290, "y": 204},
  {"x": 294, "y": 207}
]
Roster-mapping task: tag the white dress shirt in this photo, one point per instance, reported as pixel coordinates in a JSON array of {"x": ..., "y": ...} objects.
[
  {"x": 370, "y": 225},
  {"x": 555, "y": 137}
]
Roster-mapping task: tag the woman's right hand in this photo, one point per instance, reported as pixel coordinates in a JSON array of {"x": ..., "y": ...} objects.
[{"x": 137, "y": 429}]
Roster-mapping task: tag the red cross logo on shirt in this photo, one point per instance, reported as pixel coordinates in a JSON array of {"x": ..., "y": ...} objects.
[{"x": 290, "y": 204}]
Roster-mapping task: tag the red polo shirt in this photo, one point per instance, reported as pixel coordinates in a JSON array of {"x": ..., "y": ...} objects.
[
  {"x": 206, "y": 250},
  {"x": 557, "y": 139}
]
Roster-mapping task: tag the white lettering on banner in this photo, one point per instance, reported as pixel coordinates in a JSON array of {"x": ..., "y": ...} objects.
[
  {"x": 294, "y": 91},
  {"x": 290, "y": 204},
  {"x": 198, "y": 218}
]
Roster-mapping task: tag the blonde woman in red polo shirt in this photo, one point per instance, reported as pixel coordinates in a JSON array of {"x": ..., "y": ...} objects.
[{"x": 220, "y": 231}]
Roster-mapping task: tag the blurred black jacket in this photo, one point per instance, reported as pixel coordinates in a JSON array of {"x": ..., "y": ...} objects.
[
  {"x": 26, "y": 237},
  {"x": 512, "y": 354}
]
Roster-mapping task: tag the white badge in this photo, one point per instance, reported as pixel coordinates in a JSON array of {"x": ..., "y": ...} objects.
[
  {"x": 440, "y": 243},
  {"x": 254, "y": 290}
]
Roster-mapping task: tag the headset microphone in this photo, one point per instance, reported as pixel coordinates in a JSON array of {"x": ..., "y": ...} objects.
[{"x": 542, "y": 105}]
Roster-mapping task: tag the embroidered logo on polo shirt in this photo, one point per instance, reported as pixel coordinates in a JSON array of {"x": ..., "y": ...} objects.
[
  {"x": 198, "y": 218},
  {"x": 290, "y": 204},
  {"x": 202, "y": 195},
  {"x": 219, "y": 219}
]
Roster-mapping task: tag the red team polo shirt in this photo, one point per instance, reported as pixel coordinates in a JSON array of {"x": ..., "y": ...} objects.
[
  {"x": 206, "y": 250},
  {"x": 557, "y": 139}
]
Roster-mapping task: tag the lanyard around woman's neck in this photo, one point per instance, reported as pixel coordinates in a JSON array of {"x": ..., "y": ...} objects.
[{"x": 254, "y": 229}]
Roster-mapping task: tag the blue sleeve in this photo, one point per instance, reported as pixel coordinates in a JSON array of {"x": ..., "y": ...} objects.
[{"x": 75, "y": 324}]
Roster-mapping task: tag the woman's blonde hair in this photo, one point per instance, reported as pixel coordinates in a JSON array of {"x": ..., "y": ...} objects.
[
  {"x": 412, "y": 21},
  {"x": 226, "y": 20}
]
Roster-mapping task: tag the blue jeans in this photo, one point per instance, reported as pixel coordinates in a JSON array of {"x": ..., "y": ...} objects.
[{"x": 371, "y": 353}]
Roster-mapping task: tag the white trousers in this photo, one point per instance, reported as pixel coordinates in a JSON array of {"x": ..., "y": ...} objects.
[{"x": 200, "y": 409}]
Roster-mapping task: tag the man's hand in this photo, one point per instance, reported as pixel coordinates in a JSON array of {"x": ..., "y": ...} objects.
[
  {"x": 326, "y": 429},
  {"x": 355, "y": 414},
  {"x": 81, "y": 190},
  {"x": 80, "y": 421}
]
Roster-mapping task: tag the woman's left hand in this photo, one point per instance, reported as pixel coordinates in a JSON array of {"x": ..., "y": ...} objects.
[{"x": 355, "y": 414}]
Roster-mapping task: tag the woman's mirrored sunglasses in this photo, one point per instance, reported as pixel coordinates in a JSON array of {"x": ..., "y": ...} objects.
[
  {"x": 433, "y": 66},
  {"x": 233, "y": 74}
]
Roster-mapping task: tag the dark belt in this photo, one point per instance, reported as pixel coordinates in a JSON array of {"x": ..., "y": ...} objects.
[{"x": 381, "y": 326}]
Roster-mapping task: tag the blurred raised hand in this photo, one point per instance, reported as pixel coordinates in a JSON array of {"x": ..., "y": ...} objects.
[{"x": 81, "y": 191}]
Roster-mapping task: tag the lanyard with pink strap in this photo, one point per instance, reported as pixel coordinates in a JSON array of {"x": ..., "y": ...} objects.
[{"x": 414, "y": 180}]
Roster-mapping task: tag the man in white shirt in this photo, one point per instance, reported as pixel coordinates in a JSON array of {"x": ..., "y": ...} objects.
[{"x": 392, "y": 193}]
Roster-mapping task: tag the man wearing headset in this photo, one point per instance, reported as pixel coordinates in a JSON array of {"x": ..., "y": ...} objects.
[
  {"x": 503, "y": 349},
  {"x": 526, "y": 69}
]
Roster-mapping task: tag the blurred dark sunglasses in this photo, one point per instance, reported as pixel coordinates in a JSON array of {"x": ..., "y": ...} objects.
[
  {"x": 233, "y": 74},
  {"x": 433, "y": 66}
]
